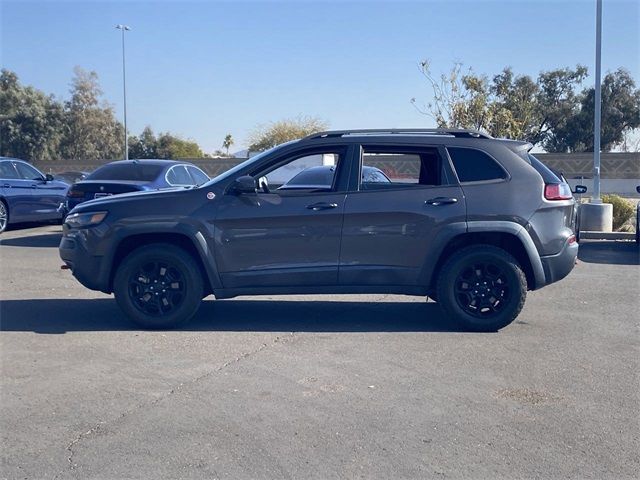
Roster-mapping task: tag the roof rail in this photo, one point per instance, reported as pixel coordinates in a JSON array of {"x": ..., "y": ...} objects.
[{"x": 454, "y": 132}]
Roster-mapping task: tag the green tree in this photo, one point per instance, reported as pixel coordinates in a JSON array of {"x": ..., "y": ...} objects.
[
  {"x": 174, "y": 147},
  {"x": 551, "y": 111},
  {"x": 165, "y": 145},
  {"x": 228, "y": 141},
  {"x": 559, "y": 102},
  {"x": 91, "y": 130},
  {"x": 283, "y": 131},
  {"x": 503, "y": 107},
  {"x": 620, "y": 115},
  {"x": 30, "y": 121},
  {"x": 145, "y": 145}
]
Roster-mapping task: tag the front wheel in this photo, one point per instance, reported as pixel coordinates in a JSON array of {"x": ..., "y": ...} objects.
[
  {"x": 482, "y": 288},
  {"x": 159, "y": 286}
]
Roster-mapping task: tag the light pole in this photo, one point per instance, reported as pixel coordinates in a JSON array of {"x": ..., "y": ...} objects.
[
  {"x": 595, "y": 215},
  {"x": 124, "y": 28},
  {"x": 597, "y": 116}
]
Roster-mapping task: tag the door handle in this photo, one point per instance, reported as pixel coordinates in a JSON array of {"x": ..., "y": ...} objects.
[
  {"x": 34, "y": 186},
  {"x": 6, "y": 185},
  {"x": 321, "y": 206},
  {"x": 441, "y": 201}
]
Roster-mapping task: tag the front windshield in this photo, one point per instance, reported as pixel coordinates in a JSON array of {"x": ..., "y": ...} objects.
[{"x": 246, "y": 163}]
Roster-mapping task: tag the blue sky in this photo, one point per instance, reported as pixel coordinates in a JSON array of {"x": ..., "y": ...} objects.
[{"x": 204, "y": 69}]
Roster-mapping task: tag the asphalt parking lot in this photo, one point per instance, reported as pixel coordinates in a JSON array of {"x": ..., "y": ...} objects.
[{"x": 376, "y": 386}]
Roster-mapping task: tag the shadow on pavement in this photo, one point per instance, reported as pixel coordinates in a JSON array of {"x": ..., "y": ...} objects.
[
  {"x": 46, "y": 240},
  {"x": 56, "y": 316},
  {"x": 608, "y": 251}
]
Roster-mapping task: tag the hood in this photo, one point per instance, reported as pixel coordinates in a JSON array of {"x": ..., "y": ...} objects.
[{"x": 104, "y": 202}]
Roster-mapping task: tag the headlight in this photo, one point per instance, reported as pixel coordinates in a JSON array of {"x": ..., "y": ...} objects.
[{"x": 88, "y": 219}]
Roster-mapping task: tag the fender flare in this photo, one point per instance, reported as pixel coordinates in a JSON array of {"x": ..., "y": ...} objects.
[
  {"x": 494, "y": 226},
  {"x": 521, "y": 234},
  {"x": 189, "y": 231}
]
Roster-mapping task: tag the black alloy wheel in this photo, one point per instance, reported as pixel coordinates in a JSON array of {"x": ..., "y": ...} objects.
[
  {"x": 159, "y": 286},
  {"x": 482, "y": 288}
]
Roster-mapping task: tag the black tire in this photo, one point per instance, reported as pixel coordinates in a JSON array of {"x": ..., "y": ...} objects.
[
  {"x": 482, "y": 288},
  {"x": 4, "y": 216},
  {"x": 159, "y": 286}
]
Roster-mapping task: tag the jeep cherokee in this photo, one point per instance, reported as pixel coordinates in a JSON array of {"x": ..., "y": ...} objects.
[{"x": 471, "y": 221}]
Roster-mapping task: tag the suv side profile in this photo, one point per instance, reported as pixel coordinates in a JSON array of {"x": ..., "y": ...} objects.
[{"x": 468, "y": 220}]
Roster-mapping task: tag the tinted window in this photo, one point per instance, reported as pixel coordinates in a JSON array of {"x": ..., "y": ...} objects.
[
  {"x": 127, "y": 171},
  {"x": 321, "y": 177},
  {"x": 178, "y": 175},
  {"x": 199, "y": 177},
  {"x": 7, "y": 170},
  {"x": 474, "y": 165},
  {"x": 384, "y": 167},
  {"x": 27, "y": 172},
  {"x": 545, "y": 172},
  {"x": 309, "y": 172}
]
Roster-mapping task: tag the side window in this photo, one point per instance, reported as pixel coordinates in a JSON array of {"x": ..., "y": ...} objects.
[
  {"x": 199, "y": 177},
  {"x": 473, "y": 165},
  {"x": 27, "y": 172},
  {"x": 393, "y": 167},
  {"x": 7, "y": 171},
  {"x": 179, "y": 176},
  {"x": 312, "y": 172}
]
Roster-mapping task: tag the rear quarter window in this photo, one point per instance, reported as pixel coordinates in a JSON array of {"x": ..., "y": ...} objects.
[
  {"x": 473, "y": 165},
  {"x": 545, "y": 172}
]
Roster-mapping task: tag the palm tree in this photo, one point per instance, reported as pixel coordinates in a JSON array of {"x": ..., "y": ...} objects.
[{"x": 228, "y": 141}]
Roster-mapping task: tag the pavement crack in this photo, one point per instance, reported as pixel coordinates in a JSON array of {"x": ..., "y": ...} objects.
[{"x": 181, "y": 386}]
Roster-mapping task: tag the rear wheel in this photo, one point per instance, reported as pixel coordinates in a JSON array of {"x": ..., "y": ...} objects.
[
  {"x": 159, "y": 286},
  {"x": 4, "y": 216},
  {"x": 482, "y": 288}
]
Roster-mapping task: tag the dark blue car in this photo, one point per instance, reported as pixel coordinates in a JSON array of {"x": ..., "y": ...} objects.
[
  {"x": 27, "y": 194},
  {"x": 133, "y": 176}
]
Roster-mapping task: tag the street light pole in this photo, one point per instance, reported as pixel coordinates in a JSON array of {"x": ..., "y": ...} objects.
[
  {"x": 598, "y": 100},
  {"x": 124, "y": 28},
  {"x": 597, "y": 216}
]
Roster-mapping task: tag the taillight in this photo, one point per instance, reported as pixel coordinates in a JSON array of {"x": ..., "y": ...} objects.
[
  {"x": 557, "y": 191},
  {"x": 75, "y": 193}
]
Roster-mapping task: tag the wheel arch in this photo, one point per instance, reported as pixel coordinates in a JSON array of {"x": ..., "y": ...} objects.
[
  {"x": 514, "y": 240},
  {"x": 132, "y": 242}
]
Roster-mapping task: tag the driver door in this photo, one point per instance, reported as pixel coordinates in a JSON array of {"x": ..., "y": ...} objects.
[{"x": 288, "y": 232}]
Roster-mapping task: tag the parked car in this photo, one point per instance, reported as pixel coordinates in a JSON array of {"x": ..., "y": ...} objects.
[
  {"x": 132, "y": 176},
  {"x": 468, "y": 220},
  {"x": 27, "y": 194},
  {"x": 70, "y": 177}
]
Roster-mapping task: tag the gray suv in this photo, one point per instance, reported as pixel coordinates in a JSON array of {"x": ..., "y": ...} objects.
[{"x": 471, "y": 221}]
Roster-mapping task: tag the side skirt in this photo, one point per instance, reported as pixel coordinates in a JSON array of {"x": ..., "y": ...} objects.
[{"x": 321, "y": 290}]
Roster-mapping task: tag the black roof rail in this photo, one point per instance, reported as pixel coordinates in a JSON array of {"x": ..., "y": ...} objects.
[{"x": 455, "y": 132}]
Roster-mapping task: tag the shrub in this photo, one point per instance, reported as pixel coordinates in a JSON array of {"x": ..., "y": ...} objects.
[{"x": 622, "y": 209}]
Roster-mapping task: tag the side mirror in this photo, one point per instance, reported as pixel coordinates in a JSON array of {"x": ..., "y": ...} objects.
[
  {"x": 245, "y": 184},
  {"x": 580, "y": 189}
]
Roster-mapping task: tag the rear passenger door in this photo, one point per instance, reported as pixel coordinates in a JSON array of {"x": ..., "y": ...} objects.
[{"x": 390, "y": 225}]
